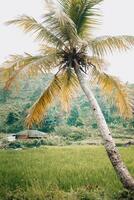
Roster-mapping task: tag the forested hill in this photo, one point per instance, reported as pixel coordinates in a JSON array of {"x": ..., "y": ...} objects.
[{"x": 15, "y": 103}]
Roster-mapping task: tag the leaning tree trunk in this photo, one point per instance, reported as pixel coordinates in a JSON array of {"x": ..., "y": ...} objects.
[{"x": 112, "y": 151}]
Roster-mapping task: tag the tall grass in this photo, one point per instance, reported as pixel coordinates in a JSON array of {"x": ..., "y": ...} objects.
[{"x": 45, "y": 172}]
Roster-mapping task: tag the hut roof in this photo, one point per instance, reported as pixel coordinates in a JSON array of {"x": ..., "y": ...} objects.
[{"x": 32, "y": 133}]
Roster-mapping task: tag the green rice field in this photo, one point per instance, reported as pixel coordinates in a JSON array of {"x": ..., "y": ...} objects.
[{"x": 72, "y": 173}]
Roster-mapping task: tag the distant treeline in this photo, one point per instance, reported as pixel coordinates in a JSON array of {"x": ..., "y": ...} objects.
[{"x": 14, "y": 105}]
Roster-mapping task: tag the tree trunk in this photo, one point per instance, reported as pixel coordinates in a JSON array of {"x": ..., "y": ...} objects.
[{"x": 112, "y": 151}]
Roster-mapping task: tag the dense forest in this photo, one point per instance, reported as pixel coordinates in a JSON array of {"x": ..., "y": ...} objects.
[{"x": 14, "y": 105}]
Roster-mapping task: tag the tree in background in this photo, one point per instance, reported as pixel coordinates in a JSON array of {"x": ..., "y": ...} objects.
[{"x": 69, "y": 47}]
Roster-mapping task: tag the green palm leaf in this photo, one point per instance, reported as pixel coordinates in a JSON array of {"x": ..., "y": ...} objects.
[{"x": 82, "y": 14}]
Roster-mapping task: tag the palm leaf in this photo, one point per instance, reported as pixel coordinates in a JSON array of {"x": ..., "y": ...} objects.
[
  {"x": 82, "y": 14},
  {"x": 117, "y": 91},
  {"x": 95, "y": 2},
  {"x": 27, "y": 65},
  {"x": 97, "y": 63},
  {"x": 49, "y": 50},
  {"x": 103, "y": 45},
  {"x": 60, "y": 23},
  {"x": 67, "y": 4},
  {"x": 70, "y": 88},
  {"x": 29, "y": 24},
  {"x": 62, "y": 87},
  {"x": 39, "y": 109}
]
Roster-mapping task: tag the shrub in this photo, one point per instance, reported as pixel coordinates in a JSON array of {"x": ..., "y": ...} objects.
[
  {"x": 50, "y": 141},
  {"x": 72, "y": 133},
  {"x": 125, "y": 194},
  {"x": 15, "y": 145}
]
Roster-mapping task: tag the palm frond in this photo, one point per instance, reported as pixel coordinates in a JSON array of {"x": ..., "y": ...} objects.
[
  {"x": 62, "y": 87},
  {"x": 26, "y": 65},
  {"x": 95, "y": 2},
  {"x": 29, "y": 24},
  {"x": 39, "y": 109},
  {"x": 49, "y": 50},
  {"x": 67, "y": 4},
  {"x": 70, "y": 86},
  {"x": 117, "y": 91},
  {"x": 97, "y": 63},
  {"x": 103, "y": 45},
  {"x": 61, "y": 24},
  {"x": 82, "y": 14}
]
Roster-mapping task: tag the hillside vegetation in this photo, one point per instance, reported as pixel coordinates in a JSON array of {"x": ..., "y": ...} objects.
[{"x": 14, "y": 105}]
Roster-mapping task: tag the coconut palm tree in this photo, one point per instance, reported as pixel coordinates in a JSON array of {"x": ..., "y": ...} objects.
[{"x": 69, "y": 49}]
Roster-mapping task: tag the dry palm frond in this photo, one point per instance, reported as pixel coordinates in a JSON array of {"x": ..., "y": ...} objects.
[
  {"x": 70, "y": 86},
  {"x": 103, "y": 45},
  {"x": 97, "y": 63},
  {"x": 39, "y": 109},
  {"x": 117, "y": 91},
  {"x": 12, "y": 67},
  {"x": 29, "y": 24},
  {"x": 27, "y": 65},
  {"x": 63, "y": 87},
  {"x": 49, "y": 50}
]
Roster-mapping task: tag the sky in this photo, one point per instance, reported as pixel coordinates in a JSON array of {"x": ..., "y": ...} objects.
[{"x": 117, "y": 19}]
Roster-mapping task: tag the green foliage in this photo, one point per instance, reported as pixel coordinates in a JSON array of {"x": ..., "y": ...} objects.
[
  {"x": 11, "y": 118},
  {"x": 15, "y": 145},
  {"x": 94, "y": 125},
  {"x": 72, "y": 119},
  {"x": 4, "y": 95},
  {"x": 51, "y": 121},
  {"x": 25, "y": 144},
  {"x": 72, "y": 133},
  {"x": 34, "y": 143},
  {"x": 125, "y": 194}
]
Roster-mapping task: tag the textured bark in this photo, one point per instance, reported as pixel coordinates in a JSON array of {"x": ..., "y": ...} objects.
[{"x": 126, "y": 179}]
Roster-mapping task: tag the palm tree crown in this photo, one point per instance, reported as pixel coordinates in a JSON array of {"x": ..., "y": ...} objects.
[{"x": 67, "y": 43}]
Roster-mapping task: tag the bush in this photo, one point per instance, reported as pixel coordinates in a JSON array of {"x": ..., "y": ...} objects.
[
  {"x": 72, "y": 133},
  {"x": 63, "y": 131},
  {"x": 94, "y": 125},
  {"x": 50, "y": 141},
  {"x": 54, "y": 140},
  {"x": 76, "y": 136},
  {"x": 32, "y": 143},
  {"x": 15, "y": 145},
  {"x": 125, "y": 194}
]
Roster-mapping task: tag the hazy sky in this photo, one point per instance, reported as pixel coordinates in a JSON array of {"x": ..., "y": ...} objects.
[{"x": 118, "y": 16}]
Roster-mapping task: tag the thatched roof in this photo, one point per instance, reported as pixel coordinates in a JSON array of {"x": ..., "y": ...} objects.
[{"x": 32, "y": 133}]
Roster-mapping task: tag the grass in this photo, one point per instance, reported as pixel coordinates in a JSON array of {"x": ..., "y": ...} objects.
[{"x": 60, "y": 173}]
